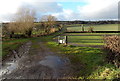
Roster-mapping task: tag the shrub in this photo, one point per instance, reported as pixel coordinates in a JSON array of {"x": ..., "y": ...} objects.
[
  {"x": 112, "y": 44},
  {"x": 90, "y": 29}
]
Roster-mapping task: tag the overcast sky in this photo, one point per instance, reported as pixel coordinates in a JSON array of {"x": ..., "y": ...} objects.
[{"x": 63, "y": 9}]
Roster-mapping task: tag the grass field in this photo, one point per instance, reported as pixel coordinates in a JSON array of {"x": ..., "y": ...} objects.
[
  {"x": 106, "y": 27},
  {"x": 12, "y": 44},
  {"x": 87, "y": 38}
]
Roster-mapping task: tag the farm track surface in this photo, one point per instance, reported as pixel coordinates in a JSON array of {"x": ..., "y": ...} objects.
[{"x": 41, "y": 64}]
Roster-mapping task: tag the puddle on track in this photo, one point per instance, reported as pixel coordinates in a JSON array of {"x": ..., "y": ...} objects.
[
  {"x": 8, "y": 68},
  {"x": 53, "y": 62}
]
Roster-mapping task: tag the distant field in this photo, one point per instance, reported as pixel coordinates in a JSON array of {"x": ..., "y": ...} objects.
[{"x": 106, "y": 27}]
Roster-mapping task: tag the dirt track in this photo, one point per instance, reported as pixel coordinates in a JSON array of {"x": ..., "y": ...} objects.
[{"x": 42, "y": 64}]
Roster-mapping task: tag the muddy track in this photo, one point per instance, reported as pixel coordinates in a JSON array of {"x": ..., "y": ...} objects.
[{"x": 43, "y": 64}]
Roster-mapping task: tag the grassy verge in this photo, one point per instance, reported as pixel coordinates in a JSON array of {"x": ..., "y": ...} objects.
[
  {"x": 89, "y": 63},
  {"x": 12, "y": 44}
]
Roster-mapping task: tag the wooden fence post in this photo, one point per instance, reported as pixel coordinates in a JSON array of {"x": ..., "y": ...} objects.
[
  {"x": 65, "y": 40},
  {"x": 58, "y": 39}
]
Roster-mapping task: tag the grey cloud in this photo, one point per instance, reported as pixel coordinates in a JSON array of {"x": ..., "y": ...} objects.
[
  {"x": 111, "y": 12},
  {"x": 41, "y": 8}
]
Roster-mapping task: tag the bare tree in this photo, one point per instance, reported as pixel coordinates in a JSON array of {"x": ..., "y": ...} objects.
[
  {"x": 23, "y": 21},
  {"x": 12, "y": 28},
  {"x": 26, "y": 17},
  {"x": 48, "y": 22}
]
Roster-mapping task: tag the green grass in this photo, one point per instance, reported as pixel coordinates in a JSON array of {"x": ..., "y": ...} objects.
[
  {"x": 106, "y": 27},
  {"x": 12, "y": 44},
  {"x": 88, "y": 62},
  {"x": 91, "y": 34},
  {"x": 87, "y": 40}
]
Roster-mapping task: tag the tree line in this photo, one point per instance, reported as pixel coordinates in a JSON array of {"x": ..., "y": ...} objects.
[
  {"x": 23, "y": 24},
  {"x": 89, "y": 22}
]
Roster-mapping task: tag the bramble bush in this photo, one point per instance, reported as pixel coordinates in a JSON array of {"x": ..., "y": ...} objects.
[{"x": 112, "y": 44}]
